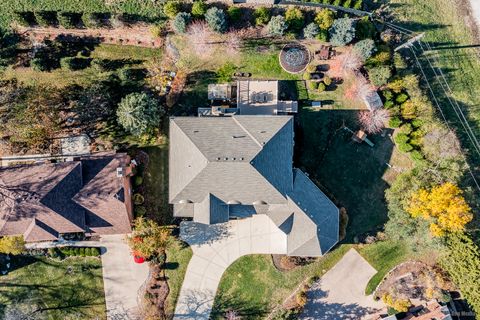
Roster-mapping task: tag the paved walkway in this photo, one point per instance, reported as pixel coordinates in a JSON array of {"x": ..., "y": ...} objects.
[
  {"x": 215, "y": 247},
  {"x": 122, "y": 277},
  {"x": 339, "y": 294}
]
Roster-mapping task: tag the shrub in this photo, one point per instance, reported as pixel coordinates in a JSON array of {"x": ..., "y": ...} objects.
[
  {"x": 313, "y": 85},
  {"x": 171, "y": 9},
  {"x": 216, "y": 19},
  {"x": 81, "y": 252},
  {"x": 380, "y": 58},
  {"x": 277, "y": 26},
  {"x": 52, "y": 252},
  {"x": 180, "y": 22},
  {"x": 358, "y": 5},
  {"x": 25, "y": 19},
  {"x": 91, "y": 20},
  {"x": 12, "y": 244},
  {"x": 118, "y": 20},
  {"x": 365, "y": 29},
  {"x": 158, "y": 29},
  {"x": 138, "y": 181},
  {"x": 138, "y": 113},
  {"x": 337, "y": 3},
  {"x": 379, "y": 75},
  {"x": 301, "y": 298},
  {"x": 95, "y": 251},
  {"x": 199, "y": 8},
  {"x": 138, "y": 199},
  {"x": 311, "y": 31},
  {"x": 294, "y": 18},
  {"x": 100, "y": 64},
  {"x": 342, "y": 31},
  {"x": 322, "y": 35},
  {"x": 311, "y": 68},
  {"x": 401, "y": 98},
  {"x": 406, "y": 128},
  {"x": 73, "y": 63},
  {"x": 388, "y": 104},
  {"x": 417, "y": 123},
  {"x": 140, "y": 211},
  {"x": 365, "y": 48},
  {"x": 88, "y": 252},
  {"x": 68, "y": 20},
  {"x": 46, "y": 18},
  {"x": 234, "y": 13},
  {"x": 321, "y": 87},
  {"x": 417, "y": 155},
  {"x": 39, "y": 64},
  {"x": 262, "y": 16},
  {"x": 395, "y": 122},
  {"x": 348, "y": 4},
  {"x": 307, "y": 76},
  {"x": 327, "y": 80},
  {"x": 324, "y": 18}
]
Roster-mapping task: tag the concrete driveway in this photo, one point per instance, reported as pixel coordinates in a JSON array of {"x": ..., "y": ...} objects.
[
  {"x": 122, "y": 278},
  {"x": 339, "y": 294},
  {"x": 215, "y": 247}
]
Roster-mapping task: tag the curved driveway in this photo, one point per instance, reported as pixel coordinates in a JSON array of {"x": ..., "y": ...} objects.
[{"x": 215, "y": 247}]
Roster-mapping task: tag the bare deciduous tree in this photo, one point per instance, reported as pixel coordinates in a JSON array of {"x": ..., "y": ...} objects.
[
  {"x": 345, "y": 64},
  {"x": 200, "y": 36},
  {"x": 232, "y": 315},
  {"x": 359, "y": 89},
  {"x": 373, "y": 121}
]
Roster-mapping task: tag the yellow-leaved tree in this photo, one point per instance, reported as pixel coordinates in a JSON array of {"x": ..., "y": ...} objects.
[{"x": 443, "y": 206}]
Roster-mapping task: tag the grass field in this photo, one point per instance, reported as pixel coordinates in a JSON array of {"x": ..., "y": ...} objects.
[
  {"x": 68, "y": 289},
  {"x": 252, "y": 286},
  {"x": 456, "y": 53}
]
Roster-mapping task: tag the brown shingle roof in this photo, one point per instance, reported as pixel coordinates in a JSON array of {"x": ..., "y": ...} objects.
[{"x": 37, "y": 200}]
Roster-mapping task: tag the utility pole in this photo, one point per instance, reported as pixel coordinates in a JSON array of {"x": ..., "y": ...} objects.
[{"x": 410, "y": 42}]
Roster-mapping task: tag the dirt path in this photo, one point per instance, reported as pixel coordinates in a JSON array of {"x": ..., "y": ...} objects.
[{"x": 136, "y": 35}]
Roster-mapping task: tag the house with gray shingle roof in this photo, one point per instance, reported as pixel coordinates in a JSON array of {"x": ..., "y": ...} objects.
[{"x": 234, "y": 167}]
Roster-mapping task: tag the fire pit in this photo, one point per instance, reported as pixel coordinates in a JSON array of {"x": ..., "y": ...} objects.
[{"x": 294, "y": 57}]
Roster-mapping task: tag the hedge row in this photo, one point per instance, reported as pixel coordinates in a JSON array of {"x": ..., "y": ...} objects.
[
  {"x": 69, "y": 20},
  {"x": 353, "y": 4},
  {"x": 73, "y": 251},
  {"x": 149, "y": 11}
]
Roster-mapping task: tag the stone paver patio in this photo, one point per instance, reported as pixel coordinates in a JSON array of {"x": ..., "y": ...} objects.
[{"x": 215, "y": 247}]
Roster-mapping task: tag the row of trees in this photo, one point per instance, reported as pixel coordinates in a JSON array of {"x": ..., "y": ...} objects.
[{"x": 70, "y": 20}]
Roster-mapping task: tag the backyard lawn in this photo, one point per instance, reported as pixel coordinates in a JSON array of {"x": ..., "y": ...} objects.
[
  {"x": 252, "y": 286},
  {"x": 50, "y": 289},
  {"x": 354, "y": 175},
  {"x": 134, "y": 57}
]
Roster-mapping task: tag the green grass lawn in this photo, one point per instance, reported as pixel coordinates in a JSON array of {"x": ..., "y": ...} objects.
[
  {"x": 135, "y": 57},
  {"x": 354, "y": 175},
  {"x": 443, "y": 22},
  {"x": 383, "y": 256},
  {"x": 156, "y": 185},
  {"x": 252, "y": 285},
  {"x": 178, "y": 257},
  {"x": 50, "y": 289}
]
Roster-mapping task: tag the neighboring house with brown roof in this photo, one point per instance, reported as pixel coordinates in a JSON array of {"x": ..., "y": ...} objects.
[
  {"x": 49, "y": 201},
  {"x": 225, "y": 168}
]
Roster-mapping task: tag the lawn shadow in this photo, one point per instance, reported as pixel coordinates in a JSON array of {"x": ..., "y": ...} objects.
[
  {"x": 352, "y": 174},
  {"x": 195, "y": 93},
  {"x": 245, "y": 309}
]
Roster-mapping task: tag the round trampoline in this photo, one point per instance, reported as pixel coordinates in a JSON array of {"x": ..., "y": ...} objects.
[{"x": 294, "y": 57}]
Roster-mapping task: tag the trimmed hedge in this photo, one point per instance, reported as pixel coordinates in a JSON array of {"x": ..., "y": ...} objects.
[
  {"x": 46, "y": 18},
  {"x": 74, "y": 252}
]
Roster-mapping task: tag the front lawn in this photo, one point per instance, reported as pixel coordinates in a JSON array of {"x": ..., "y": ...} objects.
[
  {"x": 178, "y": 257},
  {"x": 252, "y": 285},
  {"x": 383, "y": 256},
  {"x": 48, "y": 289}
]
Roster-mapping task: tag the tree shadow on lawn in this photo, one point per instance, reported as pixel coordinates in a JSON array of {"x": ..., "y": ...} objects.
[
  {"x": 195, "y": 94},
  {"x": 351, "y": 174},
  {"x": 246, "y": 309}
]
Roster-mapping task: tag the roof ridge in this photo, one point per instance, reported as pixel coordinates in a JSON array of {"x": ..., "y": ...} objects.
[
  {"x": 249, "y": 134},
  {"x": 303, "y": 243}
]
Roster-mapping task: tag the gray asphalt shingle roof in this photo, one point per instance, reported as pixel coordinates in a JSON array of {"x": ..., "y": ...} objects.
[{"x": 222, "y": 164}]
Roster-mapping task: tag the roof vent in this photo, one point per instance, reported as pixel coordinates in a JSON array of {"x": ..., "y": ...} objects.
[
  {"x": 241, "y": 158},
  {"x": 218, "y": 158},
  {"x": 119, "y": 172},
  {"x": 195, "y": 131},
  {"x": 225, "y": 158},
  {"x": 238, "y": 136}
]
